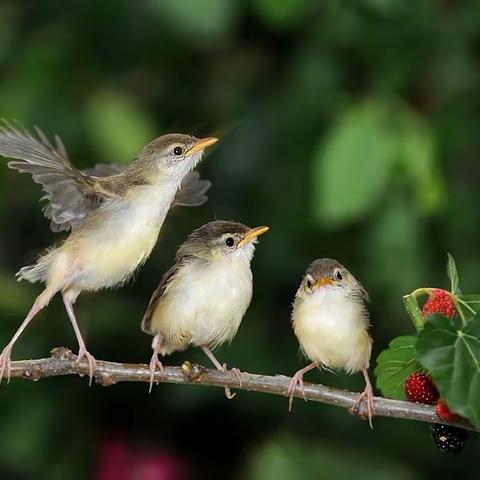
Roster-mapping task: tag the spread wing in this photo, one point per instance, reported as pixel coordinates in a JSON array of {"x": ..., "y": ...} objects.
[
  {"x": 192, "y": 191},
  {"x": 105, "y": 169},
  {"x": 70, "y": 193}
]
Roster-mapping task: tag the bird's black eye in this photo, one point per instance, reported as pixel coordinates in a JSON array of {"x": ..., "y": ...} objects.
[
  {"x": 309, "y": 283},
  {"x": 229, "y": 241},
  {"x": 337, "y": 274},
  {"x": 178, "y": 151}
]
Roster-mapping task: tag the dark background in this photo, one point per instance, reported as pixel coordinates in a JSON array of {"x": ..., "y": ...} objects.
[{"x": 351, "y": 128}]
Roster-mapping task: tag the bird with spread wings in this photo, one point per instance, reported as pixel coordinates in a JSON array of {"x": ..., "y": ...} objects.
[{"x": 113, "y": 213}]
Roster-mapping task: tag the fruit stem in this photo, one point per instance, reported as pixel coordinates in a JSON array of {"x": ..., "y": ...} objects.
[
  {"x": 420, "y": 291},
  {"x": 413, "y": 309}
]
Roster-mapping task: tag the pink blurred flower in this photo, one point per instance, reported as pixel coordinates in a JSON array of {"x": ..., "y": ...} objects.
[{"x": 119, "y": 460}]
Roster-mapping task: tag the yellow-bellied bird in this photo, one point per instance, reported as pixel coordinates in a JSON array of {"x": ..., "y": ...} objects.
[
  {"x": 202, "y": 299},
  {"x": 114, "y": 215},
  {"x": 331, "y": 321}
]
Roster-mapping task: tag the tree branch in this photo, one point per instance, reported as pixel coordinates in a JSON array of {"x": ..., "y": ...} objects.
[{"x": 63, "y": 362}]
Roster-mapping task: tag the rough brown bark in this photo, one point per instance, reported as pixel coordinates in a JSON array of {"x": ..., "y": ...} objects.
[{"x": 63, "y": 362}]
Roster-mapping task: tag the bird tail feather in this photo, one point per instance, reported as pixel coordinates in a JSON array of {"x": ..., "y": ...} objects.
[{"x": 37, "y": 272}]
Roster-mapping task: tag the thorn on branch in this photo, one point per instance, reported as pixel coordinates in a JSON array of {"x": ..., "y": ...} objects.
[{"x": 62, "y": 353}]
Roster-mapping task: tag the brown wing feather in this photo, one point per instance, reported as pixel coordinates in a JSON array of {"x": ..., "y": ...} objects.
[
  {"x": 105, "y": 169},
  {"x": 192, "y": 191},
  {"x": 156, "y": 297},
  {"x": 160, "y": 292},
  {"x": 70, "y": 193}
]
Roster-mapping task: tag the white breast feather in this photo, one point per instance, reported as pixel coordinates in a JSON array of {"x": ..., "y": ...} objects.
[
  {"x": 204, "y": 305},
  {"x": 332, "y": 329},
  {"x": 110, "y": 253}
]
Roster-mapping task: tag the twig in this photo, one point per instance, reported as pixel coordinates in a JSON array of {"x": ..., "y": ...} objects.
[{"x": 63, "y": 362}]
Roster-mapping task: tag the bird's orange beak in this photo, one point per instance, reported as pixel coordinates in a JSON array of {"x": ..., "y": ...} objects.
[
  {"x": 323, "y": 282},
  {"x": 201, "y": 144},
  {"x": 252, "y": 234}
]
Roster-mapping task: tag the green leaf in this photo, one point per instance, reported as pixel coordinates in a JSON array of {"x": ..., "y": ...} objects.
[
  {"x": 418, "y": 158},
  {"x": 352, "y": 167},
  {"x": 469, "y": 304},
  {"x": 394, "y": 365},
  {"x": 452, "y": 273},
  {"x": 452, "y": 356}
]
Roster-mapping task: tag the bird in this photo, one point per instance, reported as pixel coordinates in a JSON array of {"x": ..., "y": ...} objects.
[
  {"x": 331, "y": 321},
  {"x": 202, "y": 299},
  {"x": 113, "y": 215}
]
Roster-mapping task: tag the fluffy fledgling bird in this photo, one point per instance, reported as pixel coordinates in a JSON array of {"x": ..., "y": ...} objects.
[
  {"x": 331, "y": 321},
  {"x": 202, "y": 299},
  {"x": 114, "y": 214}
]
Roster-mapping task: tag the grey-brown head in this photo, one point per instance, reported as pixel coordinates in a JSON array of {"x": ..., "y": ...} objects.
[
  {"x": 170, "y": 156},
  {"x": 328, "y": 273},
  {"x": 221, "y": 239}
]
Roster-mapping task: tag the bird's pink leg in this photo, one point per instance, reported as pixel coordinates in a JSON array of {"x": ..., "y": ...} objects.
[
  {"x": 40, "y": 302},
  {"x": 154, "y": 361},
  {"x": 297, "y": 379},
  {"x": 222, "y": 368},
  {"x": 69, "y": 297},
  {"x": 367, "y": 395}
]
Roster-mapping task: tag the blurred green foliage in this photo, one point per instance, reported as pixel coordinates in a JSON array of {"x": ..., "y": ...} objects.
[
  {"x": 108, "y": 116},
  {"x": 350, "y": 127}
]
